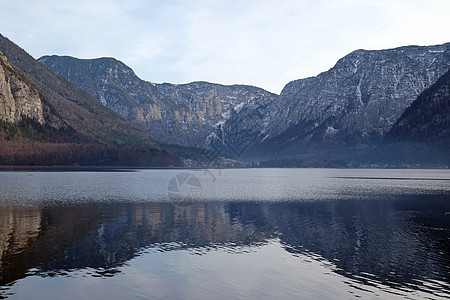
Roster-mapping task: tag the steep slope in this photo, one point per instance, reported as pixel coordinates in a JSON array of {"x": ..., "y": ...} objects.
[
  {"x": 422, "y": 133},
  {"x": 348, "y": 108},
  {"x": 45, "y": 119},
  {"x": 17, "y": 98},
  {"x": 184, "y": 114}
]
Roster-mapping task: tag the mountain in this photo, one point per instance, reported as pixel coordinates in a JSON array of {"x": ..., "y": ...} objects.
[
  {"x": 184, "y": 114},
  {"x": 210, "y": 103},
  {"x": 45, "y": 119},
  {"x": 422, "y": 133},
  {"x": 341, "y": 113}
]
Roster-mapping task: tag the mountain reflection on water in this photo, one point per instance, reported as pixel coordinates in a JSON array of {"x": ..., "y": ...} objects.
[{"x": 403, "y": 243}]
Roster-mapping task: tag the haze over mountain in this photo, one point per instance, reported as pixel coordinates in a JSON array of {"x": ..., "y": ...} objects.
[
  {"x": 340, "y": 113},
  {"x": 182, "y": 114},
  {"x": 47, "y": 120}
]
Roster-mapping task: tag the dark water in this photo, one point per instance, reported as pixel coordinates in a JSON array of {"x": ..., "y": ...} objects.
[{"x": 233, "y": 234}]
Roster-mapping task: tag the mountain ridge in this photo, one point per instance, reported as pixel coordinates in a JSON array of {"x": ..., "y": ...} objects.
[
  {"x": 348, "y": 108},
  {"x": 172, "y": 113},
  {"x": 341, "y": 113}
]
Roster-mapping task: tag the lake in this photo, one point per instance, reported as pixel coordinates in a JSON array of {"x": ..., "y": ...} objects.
[{"x": 225, "y": 234}]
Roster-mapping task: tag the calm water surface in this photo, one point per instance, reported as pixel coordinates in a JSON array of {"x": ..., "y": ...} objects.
[{"x": 225, "y": 234}]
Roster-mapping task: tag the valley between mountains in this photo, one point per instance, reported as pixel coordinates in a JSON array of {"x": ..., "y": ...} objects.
[{"x": 366, "y": 109}]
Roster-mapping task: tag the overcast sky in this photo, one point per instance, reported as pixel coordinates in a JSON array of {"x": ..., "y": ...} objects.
[{"x": 265, "y": 43}]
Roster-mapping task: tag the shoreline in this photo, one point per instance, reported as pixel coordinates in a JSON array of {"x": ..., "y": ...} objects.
[{"x": 136, "y": 168}]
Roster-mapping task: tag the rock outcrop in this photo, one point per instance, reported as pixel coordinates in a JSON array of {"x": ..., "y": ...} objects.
[{"x": 18, "y": 99}]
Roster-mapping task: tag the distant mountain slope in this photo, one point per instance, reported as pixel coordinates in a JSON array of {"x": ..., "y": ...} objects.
[
  {"x": 347, "y": 109},
  {"x": 210, "y": 103},
  {"x": 427, "y": 119},
  {"x": 422, "y": 133},
  {"x": 45, "y": 119},
  {"x": 184, "y": 114}
]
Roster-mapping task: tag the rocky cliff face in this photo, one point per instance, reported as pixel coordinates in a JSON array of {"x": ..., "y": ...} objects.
[
  {"x": 184, "y": 114},
  {"x": 352, "y": 105},
  {"x": 17, "y": 98}
]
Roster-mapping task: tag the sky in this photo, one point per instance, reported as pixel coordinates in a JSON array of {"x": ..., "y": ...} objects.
[{"x": 265, "y": 43}]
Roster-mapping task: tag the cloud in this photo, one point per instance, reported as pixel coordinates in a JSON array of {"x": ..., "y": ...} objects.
[{"x": 266, "y": 43}]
